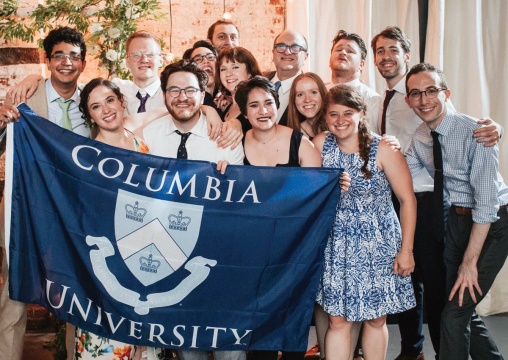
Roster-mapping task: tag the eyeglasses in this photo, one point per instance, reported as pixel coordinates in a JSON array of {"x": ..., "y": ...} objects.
[
  {"x": 293, "y": 49},
  {"x": 175, "y": 91},
  {"x": 198, "y": 59},
  {"x": 62, "y": 57},
  {"x": 430, "y": 93},
  {"x": 137, "y": 56}
]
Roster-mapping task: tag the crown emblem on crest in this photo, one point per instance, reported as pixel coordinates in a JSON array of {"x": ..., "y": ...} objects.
[
  {"x": 134, "y": 212},
  {"x": 179, "y": 222},
  {"x": 148, "y": 264}
]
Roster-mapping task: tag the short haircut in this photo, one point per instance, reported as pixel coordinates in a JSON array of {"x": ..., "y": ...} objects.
[
  {"x": 211, "y": 29},
  {"x": 141, "y": 34},
  {"x": 306, "y": 44},
  {"x": 85, "y": 96},
  {"x": 418, "y": 68},
  {"x": 184, "y": 66},
  {"x": 257, "y": 82},
  {"x": 198, "y": 44},
  {"x": 342, "y": 34},
  {"x": 394, "y": 33},
  {"x": 238, "y": 55},
  {"x": 67, "y": 35}
]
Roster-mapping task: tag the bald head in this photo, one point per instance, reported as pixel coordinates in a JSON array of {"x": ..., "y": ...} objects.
[{"x": 289, "y": 53}]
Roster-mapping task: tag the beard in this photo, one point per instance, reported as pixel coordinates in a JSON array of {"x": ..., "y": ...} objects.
[{"x": 183, "y": 114}]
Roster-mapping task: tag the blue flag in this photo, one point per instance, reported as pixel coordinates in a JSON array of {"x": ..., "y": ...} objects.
[{"x": 164, "y": 252}]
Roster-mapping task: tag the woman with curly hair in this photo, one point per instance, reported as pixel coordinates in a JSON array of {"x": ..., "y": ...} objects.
[{"x": 369, "y": 255}]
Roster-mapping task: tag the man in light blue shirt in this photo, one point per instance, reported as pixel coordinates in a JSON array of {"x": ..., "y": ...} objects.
[{"x": 476, "y": 244}]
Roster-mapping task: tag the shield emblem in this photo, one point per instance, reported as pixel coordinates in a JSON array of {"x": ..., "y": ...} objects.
[{"x": 155, "y": 237}]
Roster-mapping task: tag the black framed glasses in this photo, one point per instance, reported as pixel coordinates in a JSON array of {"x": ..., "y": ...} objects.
[
  {"x": 62, "y": 57},
  {"x": 293, "y": 49},
  {"x": 430, "y": 93},
  {"x": 137, "y": 56},
  {"x": 198, "y": 59},
  {"x": 175, "y": 91}
]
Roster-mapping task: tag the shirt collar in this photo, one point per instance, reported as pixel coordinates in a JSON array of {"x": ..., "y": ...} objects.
[
  {"x": 152, "y": 88},
  {"x": 446, "y": 124},
  {"x": 52, "y": 95},
  {"x": 285, "y": 84},
  {"x": 400, "y": 87}
]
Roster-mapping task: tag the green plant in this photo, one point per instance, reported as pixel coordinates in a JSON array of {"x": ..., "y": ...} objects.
[{"x": 106, "y": 25}]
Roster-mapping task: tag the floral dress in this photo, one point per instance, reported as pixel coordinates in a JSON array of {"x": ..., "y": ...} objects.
[{"x": 357, "y": 280}]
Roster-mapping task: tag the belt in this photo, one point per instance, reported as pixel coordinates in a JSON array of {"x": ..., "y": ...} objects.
[{"x": 468, "y": 211}]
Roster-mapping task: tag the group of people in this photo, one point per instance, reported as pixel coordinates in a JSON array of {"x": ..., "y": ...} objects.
[{"x": 388, "y": 251}]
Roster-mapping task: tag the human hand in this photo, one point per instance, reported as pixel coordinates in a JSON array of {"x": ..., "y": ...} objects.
[
  {"x": 392, "y": 141},
  {"x": 345, "y": 181},
  {"x": 8, "y": 113},
  {"x": 24, "y": 89},
  {"x": 231, "y": 134},
  {"x": 404, "y": 263},
  {"x": 489, "y": 134},
  {"x": 222, "y": 166},
  {"x": 467, "y": 278},
  {"x": 222, "y": 101}
]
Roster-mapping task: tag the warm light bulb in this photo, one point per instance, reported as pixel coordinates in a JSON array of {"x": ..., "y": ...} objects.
[{"x": 226, "y": 15}]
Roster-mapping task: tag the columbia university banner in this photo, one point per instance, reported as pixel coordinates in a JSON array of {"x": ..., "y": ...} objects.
[{"x": 164, "y": 252}]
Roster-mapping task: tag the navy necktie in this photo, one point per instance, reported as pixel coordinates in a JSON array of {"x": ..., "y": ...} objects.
[
  {"x": 182, "y": 150},
  {"x": 438, "y": 206},
  {"x": 277, "y": 86},
  {"x": 142, "y": 102},
  {"x": 388, "y": 97}
]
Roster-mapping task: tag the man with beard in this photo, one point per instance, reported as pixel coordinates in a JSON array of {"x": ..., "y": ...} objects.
[
  {"x": 56, "y": 99},
  {"x": 183, "y": 132},
  {"x": 391, "y": 50},
  {"x": 223, "y": 34},
  {"x": 347, "y": 59}
]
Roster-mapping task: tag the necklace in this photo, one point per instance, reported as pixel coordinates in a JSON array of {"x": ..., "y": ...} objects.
[{"x": 266, "y": 142}]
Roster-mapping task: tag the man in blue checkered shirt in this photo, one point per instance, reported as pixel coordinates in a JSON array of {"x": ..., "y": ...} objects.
[{"x": 476, "y": 244}]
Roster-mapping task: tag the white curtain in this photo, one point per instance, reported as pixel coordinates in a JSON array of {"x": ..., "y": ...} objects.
[{"x": 467, "y": 39}]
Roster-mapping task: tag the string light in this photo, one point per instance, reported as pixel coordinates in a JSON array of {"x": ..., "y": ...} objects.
[{"x": 226, "y": 14}]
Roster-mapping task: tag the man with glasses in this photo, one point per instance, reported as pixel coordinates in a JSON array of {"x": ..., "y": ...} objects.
[
  {"x": 391, "y": 50},
  {"x": 476, "y": 243},
  {"x": 183, "y": 133},
  {"x": 204, "y": 54},
  {"x": 56, "y": 99},
  {"x": 289, "y": 55},
  {"x": 143, "y": 58}
]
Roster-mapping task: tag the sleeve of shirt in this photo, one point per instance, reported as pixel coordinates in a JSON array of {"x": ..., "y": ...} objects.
[
  {"x": 484, "y": 182},
  {"x": 413, "y": 161},
  {"x": 235, "y": 157}
]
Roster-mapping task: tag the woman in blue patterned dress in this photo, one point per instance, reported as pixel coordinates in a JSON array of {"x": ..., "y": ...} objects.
[{"x": 369, "y": 255}]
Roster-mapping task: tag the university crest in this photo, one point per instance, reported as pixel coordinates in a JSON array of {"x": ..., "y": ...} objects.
[{"x": 155, "y": 238}]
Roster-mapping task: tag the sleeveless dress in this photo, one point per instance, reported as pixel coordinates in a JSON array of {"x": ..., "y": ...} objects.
[
  {"x": 294, "y": 148},
  {"x": 357, "y": 280},
  {"x": 91, "y": 346}
]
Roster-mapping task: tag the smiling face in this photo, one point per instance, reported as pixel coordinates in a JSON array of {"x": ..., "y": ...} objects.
[
  {"x": 343, "y": 121},
  {"x": 65, "y": 73},
  {"x": 431, "y": 111},
  {"x": 286, "y": 63},
  {"x": 206, "y": 65},
  {"x": 184, "y": 109},
  {"x": 105, "y": 109},
  {"x": 261, "y": 109},
  {"x": 308, "y": 99},
  {"x": 346, "y": 57},
  {"x": 225, "y": 36},
  {"x": 231, "y": 74},
  {"x": 144, "y": 71},
  {"x": 390, "y": 58}
]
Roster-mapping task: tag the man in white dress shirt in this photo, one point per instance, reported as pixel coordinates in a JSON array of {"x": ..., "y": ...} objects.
[
  {"x": 347, "y": 59},
  {"x": 289, "y": 54}
]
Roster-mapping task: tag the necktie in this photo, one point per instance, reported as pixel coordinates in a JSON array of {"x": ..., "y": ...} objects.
[
  {"x": 182, "y": 150},
  {"x": 388, "y": 97},
  {"x": 64, "y": 105},
  {"x": 438, "y": 206},
  {"x": 277, "y": 86},
  {"x": 142, "y": 102}
]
